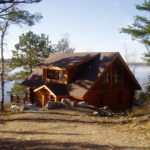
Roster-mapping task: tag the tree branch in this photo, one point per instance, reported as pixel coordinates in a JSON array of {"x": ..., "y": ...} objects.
[
  {"x": 18, "y": 1},
  {"x": 147, "y": 47},
  {"x": 5, "y": 9}
]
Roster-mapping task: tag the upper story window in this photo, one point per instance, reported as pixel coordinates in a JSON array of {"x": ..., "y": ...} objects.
[
  {"x": 55, "y": 74},
  {"x": 106, "y": 78},
  {"x": 117, "y": 77}
]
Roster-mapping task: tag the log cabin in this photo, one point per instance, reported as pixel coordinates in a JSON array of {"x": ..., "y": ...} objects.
[{"x": 97, "y": 78}]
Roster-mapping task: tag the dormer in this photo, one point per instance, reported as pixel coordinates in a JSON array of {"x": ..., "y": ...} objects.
[
  {"x": 64, "y": 68},
  {"x": 53, "y": 75}
]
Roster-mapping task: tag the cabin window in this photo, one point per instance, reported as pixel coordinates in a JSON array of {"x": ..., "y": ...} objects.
[
  {"x": 117, "y": 77},
  {"x": 55, "y": 74},
  {"x": 106, "y": 78}
]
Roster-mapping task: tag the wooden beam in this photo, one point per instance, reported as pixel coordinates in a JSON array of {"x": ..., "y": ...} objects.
[
  {"x": 56, "y": 81},
  {"x": 45, "y": 87},
  {"x": 11, "y": 97},
  {"x": 51, "y": 67},
  {"x": 129, "y": 71},
  {"x": 43, "y": 99}
]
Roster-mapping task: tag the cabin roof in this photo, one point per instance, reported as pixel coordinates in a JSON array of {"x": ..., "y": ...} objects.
[
  {"x": 66, "y": 59},
  {"x": 89, "y": 74},
  {"x": 83, "y": 81},
  {"x": 35, "y": 79}
]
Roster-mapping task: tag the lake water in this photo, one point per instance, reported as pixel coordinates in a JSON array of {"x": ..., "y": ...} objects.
[{"x": 141, "y": 74}]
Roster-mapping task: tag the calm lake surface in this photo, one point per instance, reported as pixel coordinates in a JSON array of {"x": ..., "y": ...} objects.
[{"x": 141, "y": 73}]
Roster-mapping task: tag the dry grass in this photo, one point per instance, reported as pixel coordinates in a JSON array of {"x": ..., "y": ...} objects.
[
  {"x": 73, "y": 128},
  {"x": 140, "y": 111}
]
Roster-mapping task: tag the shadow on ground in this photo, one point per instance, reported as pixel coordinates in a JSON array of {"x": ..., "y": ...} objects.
[
  {"x": 13, "y": 144},
  {"x": 37, "y": 133},
  {"x": 75, "y": 121}
]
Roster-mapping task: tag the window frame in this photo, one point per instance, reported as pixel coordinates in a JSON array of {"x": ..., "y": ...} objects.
[
  {"x": 117, "y": 79},
  {"x": 54, "y": 74},
  {"x": 106, "y": 78}
]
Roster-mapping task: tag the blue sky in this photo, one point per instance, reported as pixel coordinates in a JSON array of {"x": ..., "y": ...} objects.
[{"x": 92, "y": 25}]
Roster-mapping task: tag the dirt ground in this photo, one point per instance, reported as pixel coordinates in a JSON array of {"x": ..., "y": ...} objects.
[{"x": 73, "y": 128}]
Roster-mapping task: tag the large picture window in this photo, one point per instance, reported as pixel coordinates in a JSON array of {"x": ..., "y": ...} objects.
[{"x": 55, "y": 74}]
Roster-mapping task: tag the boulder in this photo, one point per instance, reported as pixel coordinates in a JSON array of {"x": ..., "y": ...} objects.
[
  {"x": 106, "y": 108},
  {"x": 22, "y": 108},
  {"x": 29, "y": 107},
  {"x": 95, "y": 113},
  {"x": 53, "y": 105},
  {"x": 68, "y": 102},
  {"x": 15, "y": 107},
  {"x": 82, "y": 104}
]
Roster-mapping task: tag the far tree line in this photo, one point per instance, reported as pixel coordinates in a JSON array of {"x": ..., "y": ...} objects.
[{"x": 33, "y": 48}]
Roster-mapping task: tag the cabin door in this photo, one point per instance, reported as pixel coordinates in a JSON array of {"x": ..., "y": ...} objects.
[
  {"x": 101, "y": 100},
  {"x": 47, "y": 97}
]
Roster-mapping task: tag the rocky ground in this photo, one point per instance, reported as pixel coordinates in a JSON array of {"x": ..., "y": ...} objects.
[{"x": 73, "y": 128}]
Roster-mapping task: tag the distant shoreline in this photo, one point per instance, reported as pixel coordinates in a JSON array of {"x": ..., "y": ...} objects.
[{"x": 138, "y": 64}]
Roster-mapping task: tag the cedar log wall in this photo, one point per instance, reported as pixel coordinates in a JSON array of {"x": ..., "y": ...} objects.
[
  {"x": 41, "y": 97},
  {"x": 117, "y": 97}
]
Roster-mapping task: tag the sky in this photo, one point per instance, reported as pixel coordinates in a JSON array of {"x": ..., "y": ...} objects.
[{"x": 92, "y": 25}]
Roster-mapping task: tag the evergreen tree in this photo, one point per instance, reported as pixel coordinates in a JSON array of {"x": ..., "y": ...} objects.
[
  {"x": 30, "y": 50},
  {"x": 11, "y": 14},
  {"x": 140, "y": 29}
]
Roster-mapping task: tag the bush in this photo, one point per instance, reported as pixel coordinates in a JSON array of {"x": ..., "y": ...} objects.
[
  {"x": 140, "y": 111},
  {"x": 142, "y": 97}
]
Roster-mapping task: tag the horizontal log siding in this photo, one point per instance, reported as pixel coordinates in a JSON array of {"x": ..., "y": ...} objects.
[
  {"x": 117, "y": 97},
  {"x": 111, "y": 98},
  {"x": 41, "y": 97}
]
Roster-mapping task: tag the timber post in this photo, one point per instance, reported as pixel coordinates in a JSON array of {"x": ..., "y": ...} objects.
[
  {"x": 31, "y": 97},
  {"x": 11, "y": 97},
  {"x": 18, "y": 99}
]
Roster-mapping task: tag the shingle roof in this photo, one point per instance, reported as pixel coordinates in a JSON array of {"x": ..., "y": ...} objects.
[
  {"x": 90, "y": 73},
  {"x": 58, "y": 89},
  {"x": 66, "y": 59},
  {"x": 82, "y": 81}
]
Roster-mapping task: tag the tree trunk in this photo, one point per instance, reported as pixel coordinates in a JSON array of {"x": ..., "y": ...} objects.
[
  {"x": 3, "y": 32},
  {"x": 2, "y": 72}
]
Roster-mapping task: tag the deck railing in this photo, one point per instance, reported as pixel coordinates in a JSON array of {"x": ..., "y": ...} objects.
[{"x": 19, "y": 98}]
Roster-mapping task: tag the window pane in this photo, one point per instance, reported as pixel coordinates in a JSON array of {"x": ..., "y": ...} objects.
[
  {"x": 54, "y": 74},
  {"x": 60, "y": 75},
  {"x": 117, "y": 77},
  {"x": 106, "y": 78},
  {"x": 51, "y": 74}
]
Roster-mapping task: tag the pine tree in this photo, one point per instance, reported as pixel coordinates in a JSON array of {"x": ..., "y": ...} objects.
[
  {"x": 140, "y": 29},
  {"x": 30, "y": 50}
]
